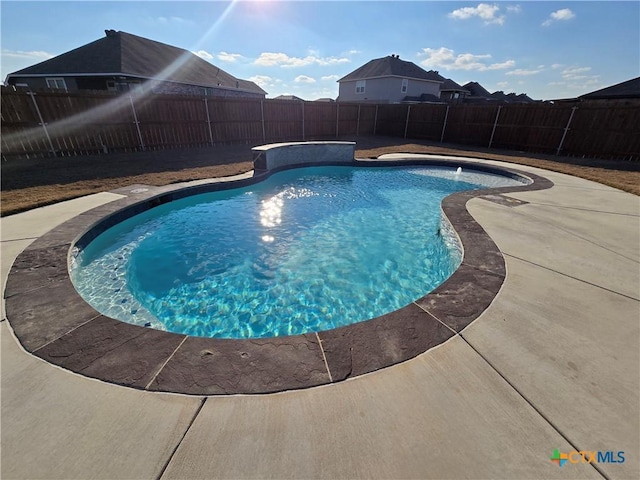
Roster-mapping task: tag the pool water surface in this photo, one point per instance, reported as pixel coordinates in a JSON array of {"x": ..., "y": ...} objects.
[{"x": 306, "y": 250}]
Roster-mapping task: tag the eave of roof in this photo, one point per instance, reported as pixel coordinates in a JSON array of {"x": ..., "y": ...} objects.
[
  {"x": 392, "y": 76},
  {"x": 128, "y": 75}
]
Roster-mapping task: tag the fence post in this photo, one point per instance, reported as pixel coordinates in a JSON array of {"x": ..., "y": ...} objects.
[
  {"x": 337, "y": 117},
  {"x": 358, "y": 122},
  {"x": 406, "y": 123},
  {"x": 375, "y": 121},
  {"x": 566, "y": 129},
  {"x": 302, "y": 120},
  {"x": 495, "y": 124},
  {"x": 206, "y": 108},
  {"x": 264, "y": 132},
  {"x": 135, "y": 120},
  {"x": 444, "y": 125},
  {"x": 44, "y": 125}
]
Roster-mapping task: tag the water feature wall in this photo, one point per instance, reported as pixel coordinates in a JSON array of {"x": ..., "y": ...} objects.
[{"x": 277, "y": 155}]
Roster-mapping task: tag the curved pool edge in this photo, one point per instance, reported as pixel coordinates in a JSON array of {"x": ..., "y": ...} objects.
[{"x": 53, "y": 322}]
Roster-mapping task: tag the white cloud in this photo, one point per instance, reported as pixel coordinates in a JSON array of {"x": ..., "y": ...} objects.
[
  {"x": 203, "y": 54},
  {"x": 555, "y": 66},
  {"x": 166, "y": 21},
  {"x": 36, "y": 55},
  {"x": 488, "y": 13},
  {"x": 222, "y": 56},
  {"x": 563, "y": 14},
  {"x": 503, "y": 85},
  {"x": 229, "y": 57},
  {"x": 592, "y": 83},
  {"x": 330, "y": 77},
  {"x": 272, "y": 59},
  {"x": 576, "y": 79},
  {"x": 522, "y": 72},
  {"x": 265, "y": 81},
  {"x": 304, "y": 79},
  {"x": 559, "y": 15},
  {"x": 514, "y": 8},
  {"x": 575, "y": 73},
  {"x": 325, "y": 93},
  {"x": 447, "y": 59}
]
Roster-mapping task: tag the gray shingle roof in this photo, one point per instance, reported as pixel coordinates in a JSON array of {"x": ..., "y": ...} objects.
[
  {"x": 122, "y": 53},
  {"x": 391, "y": 66},
  {"x": 289, "y": 97},
  {"x": 477, "y": 90},
  {"x": 450, "y": 85},
  {"x": 628, "y": 89}
]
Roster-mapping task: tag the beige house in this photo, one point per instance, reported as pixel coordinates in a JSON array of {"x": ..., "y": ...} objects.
[{"x": 390, "y": 80}]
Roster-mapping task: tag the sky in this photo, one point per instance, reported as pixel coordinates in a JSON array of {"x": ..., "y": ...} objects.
[{"x": 548, "y": 50}]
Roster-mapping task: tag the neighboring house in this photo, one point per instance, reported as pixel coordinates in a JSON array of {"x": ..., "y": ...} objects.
[
  {"x": 289, "y": 97},
  {"x": 121, "y": 61},
  {"x": 476, "y": 90},
  {"x": 479, "y": 94},
  {"x": 389, "y": 80},
  {"x": 451, "y": 92},
  {"x": 502, "y": 97},
  {"x": 626, "y": 92}
]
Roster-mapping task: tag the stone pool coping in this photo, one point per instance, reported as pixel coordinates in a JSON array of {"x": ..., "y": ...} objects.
[{"x": 53, "y": 322}]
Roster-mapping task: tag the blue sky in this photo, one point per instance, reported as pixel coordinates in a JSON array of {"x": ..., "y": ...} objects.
[{"x": 547, "y": 50}]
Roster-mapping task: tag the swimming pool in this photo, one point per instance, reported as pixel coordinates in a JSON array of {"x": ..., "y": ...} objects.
[{"x": 307, "y": 250}]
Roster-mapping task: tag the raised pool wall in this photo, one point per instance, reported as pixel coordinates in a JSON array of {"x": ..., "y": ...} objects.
[{"x": 276, "y": 156}]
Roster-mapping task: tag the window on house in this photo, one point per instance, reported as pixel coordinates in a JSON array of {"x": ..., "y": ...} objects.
[
  {"x": 57, "y": 83},
  {"x": 360, "y": 84},
  {"x": 405, "y": 85},
  {"x": 115, "y": 86}
]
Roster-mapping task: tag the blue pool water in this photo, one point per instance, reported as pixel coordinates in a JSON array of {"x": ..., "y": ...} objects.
[{"x": 307, "y": 250}]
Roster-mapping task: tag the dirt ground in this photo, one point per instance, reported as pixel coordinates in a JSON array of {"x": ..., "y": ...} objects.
[{"x": 27, "y": 184}]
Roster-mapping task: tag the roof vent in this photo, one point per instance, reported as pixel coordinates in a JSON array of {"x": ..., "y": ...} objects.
[{"x": 110, "y": 33}]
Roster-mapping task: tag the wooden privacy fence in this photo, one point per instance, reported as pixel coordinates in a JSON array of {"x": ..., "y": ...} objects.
[{"x": 51, "y": 124}]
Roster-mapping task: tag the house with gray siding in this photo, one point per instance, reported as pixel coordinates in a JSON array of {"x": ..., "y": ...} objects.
[
  {"x": 389, "y": 80},
  {"x": 120, "y": 62}
]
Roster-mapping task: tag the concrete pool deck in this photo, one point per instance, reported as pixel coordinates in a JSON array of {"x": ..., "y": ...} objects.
[{"x": 553, "y": 363}]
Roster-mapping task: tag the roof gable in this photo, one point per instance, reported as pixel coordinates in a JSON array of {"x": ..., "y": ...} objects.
[
  {"x": 391, "y": 66},
  {"x": 100, "y": 56},
  {"x": 476, "y": 90}
]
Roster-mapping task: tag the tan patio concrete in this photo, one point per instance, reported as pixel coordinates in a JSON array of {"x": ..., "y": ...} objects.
[
  {"x": 565, "y": 328},
  {"x": 60, "y": 425},
  {"x": 552, "y": 363},
  {"x": 446, "y": 414}
]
